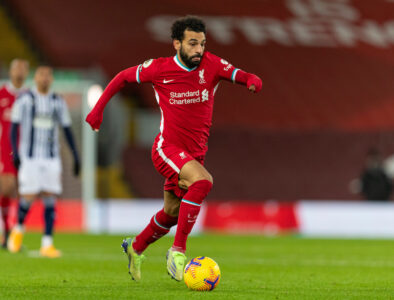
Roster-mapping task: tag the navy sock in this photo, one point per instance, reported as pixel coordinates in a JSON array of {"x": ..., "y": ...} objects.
[
  {"x": 49, "y": 214},
  {"x": 23, "y": 209}
]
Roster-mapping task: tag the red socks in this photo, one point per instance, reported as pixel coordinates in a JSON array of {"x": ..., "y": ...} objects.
[
  {"x": 161, "y": 223},
  {"x": 188, "y": 212},
  {"x": 159, "y": 226},
  {"x": 5, "y": 207}
]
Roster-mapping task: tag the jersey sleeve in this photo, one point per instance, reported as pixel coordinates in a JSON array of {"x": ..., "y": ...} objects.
[
  {"x": 225, "y": 69},
  {"x": 63, "y": 113},
  {"x": 146, "y": 71},
  {"x": 17, "y": 109}
]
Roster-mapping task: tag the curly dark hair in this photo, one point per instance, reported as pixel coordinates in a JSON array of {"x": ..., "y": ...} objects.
[{"x": 186, "y": 23}]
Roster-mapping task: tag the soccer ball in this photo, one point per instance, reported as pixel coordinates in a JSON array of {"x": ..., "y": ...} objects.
[{"x": 202, "y": 274}]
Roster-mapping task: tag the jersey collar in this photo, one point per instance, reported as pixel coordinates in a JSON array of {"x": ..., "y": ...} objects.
[{"x": 182, "y": 66}]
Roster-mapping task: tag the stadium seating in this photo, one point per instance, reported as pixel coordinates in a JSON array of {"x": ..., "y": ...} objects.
[
  {"x": 305, "y": 88},
  {"x": 11, "y": 41}
]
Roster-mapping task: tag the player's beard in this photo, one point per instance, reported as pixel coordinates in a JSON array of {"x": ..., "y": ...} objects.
[{"x": 188, "y": 60}]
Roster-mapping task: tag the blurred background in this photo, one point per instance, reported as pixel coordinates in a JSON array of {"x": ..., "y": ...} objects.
[{"x": 305, "y": 155}]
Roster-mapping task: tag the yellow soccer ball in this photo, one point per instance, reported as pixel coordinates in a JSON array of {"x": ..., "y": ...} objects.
[{"x": 202, "y": 274}]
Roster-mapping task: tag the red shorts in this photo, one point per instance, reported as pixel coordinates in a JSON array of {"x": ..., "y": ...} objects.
[{"x": 168, "y": 161}]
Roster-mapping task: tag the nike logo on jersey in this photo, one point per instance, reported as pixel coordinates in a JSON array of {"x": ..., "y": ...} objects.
[{"x": 167, "y": 81}]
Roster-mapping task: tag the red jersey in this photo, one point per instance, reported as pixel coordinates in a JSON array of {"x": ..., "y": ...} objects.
[
  {"x": 185, "y": 97},
  {"x": 7, "y": 97}
]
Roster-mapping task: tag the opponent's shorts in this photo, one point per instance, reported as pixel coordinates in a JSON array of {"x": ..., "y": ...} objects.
[
  {"x": 168, "y": 161},
  {"x": 40, "y": 175}
]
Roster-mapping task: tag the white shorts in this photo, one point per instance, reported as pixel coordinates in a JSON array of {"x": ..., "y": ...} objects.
[{"x": 40, "y": 175}]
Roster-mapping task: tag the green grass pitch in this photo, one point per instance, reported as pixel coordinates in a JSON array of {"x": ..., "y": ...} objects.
[{"x": 253, "y": 267}]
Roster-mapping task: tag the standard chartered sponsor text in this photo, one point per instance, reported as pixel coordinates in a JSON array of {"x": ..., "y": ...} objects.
[
  {"x": 185, "y": 94},
  {"x": 183, "y": 98}
]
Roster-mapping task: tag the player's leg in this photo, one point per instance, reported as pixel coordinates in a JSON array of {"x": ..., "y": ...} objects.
[
  {"x": 28, "y": 188},
  {"x": 192, "y": 182},
  {"x": 15, "y": 239},
  {"x": 49, "y": 201},
  {"x": 51, "y": 186},
  {"x": 171, "y": 205},
  {"x": 47, "y": 248},
  {"x": 7, "y": 189},
  {"x": 198, "y": 182},
  {"x": 25, "y": 202},
  {"x": 4, "y": 206},
  {"x": 158, "y": 226}
]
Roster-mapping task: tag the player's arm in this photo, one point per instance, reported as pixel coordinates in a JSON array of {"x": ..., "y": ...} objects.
[
  {"x": 14, "y": 143},
  {"x": 65, "y": 120},
  {"x": 95, "y": 117},
  {"x": 141, "y": 73},
  {"x": 230, "y": 73},
  {"x": 16, "y": 117},
  {"x": 252, "y": 81},
  {"x": 71, "y": 143}
]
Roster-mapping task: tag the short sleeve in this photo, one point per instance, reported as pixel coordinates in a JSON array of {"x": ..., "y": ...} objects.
[
  {"x": 63, "y": 113},
  {"x": 146, "y": 71},
  {"x": 17, "y": 109}
]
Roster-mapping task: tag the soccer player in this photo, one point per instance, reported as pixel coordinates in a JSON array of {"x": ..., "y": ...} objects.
[
  {"x": 36, "y": 114},
  {"x": 19, "y": 69},
  {"x": 184, "y": 86}
]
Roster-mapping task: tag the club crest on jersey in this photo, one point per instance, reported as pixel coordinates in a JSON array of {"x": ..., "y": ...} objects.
[
  {"x": 147, "y": 63},
  {"x": 201, "y": 74},
  {"x": 182, "y": 155}
]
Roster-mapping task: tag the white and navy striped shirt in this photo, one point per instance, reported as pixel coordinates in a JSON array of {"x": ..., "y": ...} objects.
[{"x": 38, "y": 116}]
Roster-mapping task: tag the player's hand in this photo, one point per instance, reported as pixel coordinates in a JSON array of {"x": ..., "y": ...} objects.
[
  {"x": 17, "y": 162},
  {"x": 77, "y": 167},
  {"x": 95, "y": 119},
  {"x": 254, "y": 83}
]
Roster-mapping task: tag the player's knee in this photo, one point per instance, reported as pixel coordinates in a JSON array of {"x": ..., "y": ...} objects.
[
  {"x": 183, "y": 184},
  {"x": 8, "y": 189},
  {"x": 202, "y": 177},
  {"x": 172, "y": 209},
  {"x": 8, "y": 192},
  {"x": 202, "y": 188},
  {"x": 29, "y": 198},
  {"x": 49, "y": 201},
  {"x": 209, "y": 178}
]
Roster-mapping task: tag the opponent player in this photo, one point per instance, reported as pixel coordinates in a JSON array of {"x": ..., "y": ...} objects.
[
  {"x": 184, "y": 86},
  {"x": 19, "y": 69},
  {"x": 38, "y": 113}
]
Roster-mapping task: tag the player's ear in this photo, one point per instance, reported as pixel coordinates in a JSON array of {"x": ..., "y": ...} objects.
[{"x": 177, "y": 44}]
